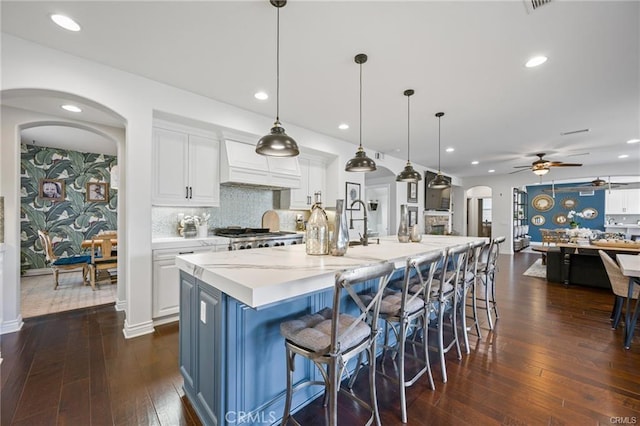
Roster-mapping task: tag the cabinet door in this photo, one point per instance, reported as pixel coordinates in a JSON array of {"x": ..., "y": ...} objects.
[
  {"x": 301, "y": 197},
  {"x": 317, "y": 173},
  {"x": 632, "y": 198},
  {"x": 209, "y": 332},
  {"x": 204, "y": 178},
  {"x": 170, "y": 175},
  {"x": 615, "y": 203},
  {"x": 187, "y": 337},
  {"x": 166, "y": 291}
]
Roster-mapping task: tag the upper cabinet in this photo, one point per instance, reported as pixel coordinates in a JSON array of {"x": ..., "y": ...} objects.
[
  {"x": 623, "y": 201},
  {"x": 241, "y": 164},
  {"x": 314, "y": 179},
  {"x": 185, "y": 167}
]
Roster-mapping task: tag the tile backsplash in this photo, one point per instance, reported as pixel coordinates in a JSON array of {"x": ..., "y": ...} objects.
[{"x": 239, "y": 206}]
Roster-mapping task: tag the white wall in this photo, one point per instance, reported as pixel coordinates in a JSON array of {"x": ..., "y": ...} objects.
[{"x": 136, "y": 99}]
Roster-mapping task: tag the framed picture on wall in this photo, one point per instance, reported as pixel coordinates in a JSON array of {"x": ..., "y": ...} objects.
[
  {"x": 352, "y": 191},
  {"x": 413, "y": 215},
  {"x": 97, "y": 191},
  {"x": 52, "y": 189},
  {"x": 412, "y": 192}
]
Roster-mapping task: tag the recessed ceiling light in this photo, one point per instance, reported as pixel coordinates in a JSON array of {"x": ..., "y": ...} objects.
[
  {"x": 474, "y": 162},
  {"x": 71, "y": 108},
  {"x": 535, "y": 61},
  {"x": 491, "y": 170},
  {"x": 343, "y": 126},
  {"x": 262, "y": 96},
  {"x": 623, "y": 156},
  {"x": 65, "y": 22},
  {"x": 450, "y": 149},
  {"x": 633, "y": 141}
]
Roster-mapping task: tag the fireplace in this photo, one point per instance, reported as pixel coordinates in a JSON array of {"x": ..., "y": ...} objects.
[{"x": 437, "y": 222}]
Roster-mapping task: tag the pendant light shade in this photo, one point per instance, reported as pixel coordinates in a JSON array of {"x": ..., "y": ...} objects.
[
  {"x": 439, "y": 182},
  {"x": 360, "y": 163},
  {"x": 408, "y": 174},
  {"x": 277, "y": 143}
]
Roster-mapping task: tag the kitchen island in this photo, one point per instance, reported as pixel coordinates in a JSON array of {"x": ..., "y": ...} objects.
[{"x": 232, "y": 356}]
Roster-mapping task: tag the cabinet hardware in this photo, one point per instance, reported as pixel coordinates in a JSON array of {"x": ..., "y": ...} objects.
[
  {"x": 186, "y": 188},
  {"x": 190, "y": 192},
  {"x": 185, "y": 252}
]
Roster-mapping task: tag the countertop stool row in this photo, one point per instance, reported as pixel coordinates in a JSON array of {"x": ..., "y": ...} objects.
[{"x": 435, "y": 289}]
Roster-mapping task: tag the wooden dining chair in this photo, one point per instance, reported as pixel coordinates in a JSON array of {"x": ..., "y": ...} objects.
[
  {"x": 62, "y": 263},
  {"x": 103, "y": 255}
]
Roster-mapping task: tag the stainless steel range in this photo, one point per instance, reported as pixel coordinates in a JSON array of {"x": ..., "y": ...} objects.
[{"x": 250, "y": 238}]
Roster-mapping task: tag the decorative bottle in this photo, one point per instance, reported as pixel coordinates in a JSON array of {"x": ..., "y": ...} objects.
[
  {"x": 317, "y": 235},
  {"x": 415, "y": 234},
  {"x": 340, "y": 238},
  {"x": 403, "y": 228}
]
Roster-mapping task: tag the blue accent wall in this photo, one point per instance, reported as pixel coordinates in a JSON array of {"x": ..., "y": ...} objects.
[{"x": 595, "y": 201}]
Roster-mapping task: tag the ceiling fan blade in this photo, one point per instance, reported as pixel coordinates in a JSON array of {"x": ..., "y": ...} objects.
[
  {"x": 518, "y": 171},
  {"x": 521, "y": 167},
  {"x": 560, "y": 164}
]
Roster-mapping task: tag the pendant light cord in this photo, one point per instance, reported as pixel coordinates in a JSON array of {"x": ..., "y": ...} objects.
[
  {"x": 278, "y": 66},
  {"x": 360, "y": 136},
  {"x": 408, "y": 128},
  {"x": 439, "y": 118}
]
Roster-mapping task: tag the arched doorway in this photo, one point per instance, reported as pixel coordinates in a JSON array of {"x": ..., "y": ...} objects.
[{"x": 30, "y": 111}]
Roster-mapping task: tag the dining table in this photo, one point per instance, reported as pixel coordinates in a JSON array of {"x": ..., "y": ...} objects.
[{"x": 630, "y": 267}]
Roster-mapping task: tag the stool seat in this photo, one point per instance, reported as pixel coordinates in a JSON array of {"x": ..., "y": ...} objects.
[{"x": 313, "y": 332}]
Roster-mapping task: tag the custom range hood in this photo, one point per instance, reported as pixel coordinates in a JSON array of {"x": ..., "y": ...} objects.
[{"x": 240, "y": 165}]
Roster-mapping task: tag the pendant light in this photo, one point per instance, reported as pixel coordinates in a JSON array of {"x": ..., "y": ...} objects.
[
  {"x": 360, "y": 163},
  {"x": 408, "y": 174},
  {"x": 277, "y": 143},
  {"x": 439, "y": 182}
]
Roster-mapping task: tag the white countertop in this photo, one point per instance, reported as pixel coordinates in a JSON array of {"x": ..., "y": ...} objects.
[
  {"x": 263, "y": 276},
  {"x": 181, "y": 242},
  {"x": 622, "y": 226}
]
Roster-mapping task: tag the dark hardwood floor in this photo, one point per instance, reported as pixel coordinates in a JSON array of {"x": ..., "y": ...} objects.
[{"x": 552, "y": 359}]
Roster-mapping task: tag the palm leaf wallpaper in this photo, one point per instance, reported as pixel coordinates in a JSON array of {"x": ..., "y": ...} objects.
[{"x": 72, "y": 220}]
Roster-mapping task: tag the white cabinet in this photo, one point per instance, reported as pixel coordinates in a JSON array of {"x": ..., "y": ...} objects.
[
  {"x": 185, "y": 168},
  {"x": 313, "y": 179},
  {"x": 623, "y": 201},
  {"x": 166, "y": 276}
]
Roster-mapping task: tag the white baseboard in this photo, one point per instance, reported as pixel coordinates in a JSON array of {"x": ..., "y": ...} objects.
[
  {"x": 12, "y": 326},
  {"x": 166, "y": 320},
  {"x": 131, "y": 331},
  {"x": 121, "y": 305}
]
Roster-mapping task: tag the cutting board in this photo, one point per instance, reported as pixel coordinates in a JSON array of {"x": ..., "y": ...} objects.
[{"x": 271, "y": 220}]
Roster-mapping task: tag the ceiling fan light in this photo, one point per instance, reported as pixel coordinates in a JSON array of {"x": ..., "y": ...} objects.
[
  {"x": 277, "y": 143},
  {"x": 540, "y": 171},
  {"x": 409, "y": 174}
]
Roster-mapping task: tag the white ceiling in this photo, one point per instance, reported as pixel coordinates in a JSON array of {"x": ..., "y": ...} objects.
[{"x": 463, "y": 58}]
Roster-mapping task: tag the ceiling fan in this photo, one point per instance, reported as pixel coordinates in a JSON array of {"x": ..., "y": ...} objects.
[
  {"x": 541, "y": 166},
  {"x": 595, "y": 185}
]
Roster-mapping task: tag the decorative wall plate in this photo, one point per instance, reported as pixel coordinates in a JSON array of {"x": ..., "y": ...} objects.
[
  {"x": 569, "y": 203},
  {"x": 589, "y": 213},
  {"x": 560, "y": 219},
  {"x": 542, "y": 202},
  {"x": 538, "y": 220}
]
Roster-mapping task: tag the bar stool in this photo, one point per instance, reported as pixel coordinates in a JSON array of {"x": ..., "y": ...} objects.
[
  {"x": 330, "y": 338},
  {"x": 469, "y": 289},
  {"x": 487, "y": 275},
  {"x": 445, "y": 295},
  {"x": 406, "y": 315}
]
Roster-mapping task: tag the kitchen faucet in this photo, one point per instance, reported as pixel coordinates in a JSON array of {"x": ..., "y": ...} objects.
[{"x": 364, "y": 239}]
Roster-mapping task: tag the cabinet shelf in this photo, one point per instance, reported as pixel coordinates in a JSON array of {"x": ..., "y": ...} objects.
[{"x": 520, "y": 220}]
